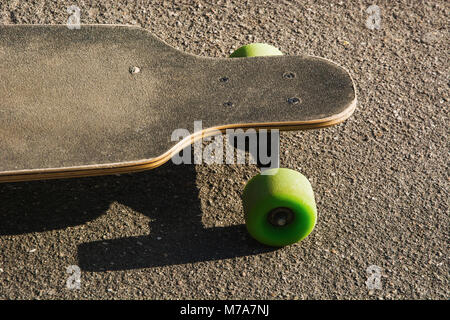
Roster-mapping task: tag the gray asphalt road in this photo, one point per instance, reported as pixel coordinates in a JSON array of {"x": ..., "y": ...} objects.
[{"x": 381, "y": 179}]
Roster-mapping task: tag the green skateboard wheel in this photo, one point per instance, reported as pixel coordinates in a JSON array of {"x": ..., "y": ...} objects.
[
  {"x": 256, "y": 50},
  {"x": 279, "y": 207}
]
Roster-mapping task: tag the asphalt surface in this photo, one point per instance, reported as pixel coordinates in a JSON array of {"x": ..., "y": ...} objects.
[{"x": 381, "y": 179}]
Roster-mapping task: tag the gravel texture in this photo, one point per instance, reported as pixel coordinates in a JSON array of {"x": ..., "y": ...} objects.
[{"x": 381, "y": 179}]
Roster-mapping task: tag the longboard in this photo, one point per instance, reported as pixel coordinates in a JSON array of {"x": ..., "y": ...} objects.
[{"x": 105, "y": 99}]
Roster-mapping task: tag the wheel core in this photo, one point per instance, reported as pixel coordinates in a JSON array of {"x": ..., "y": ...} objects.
[{"x": 281, "y": 217}]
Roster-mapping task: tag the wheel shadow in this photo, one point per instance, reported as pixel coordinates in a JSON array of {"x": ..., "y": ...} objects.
[{"x": 167, "y": 195}]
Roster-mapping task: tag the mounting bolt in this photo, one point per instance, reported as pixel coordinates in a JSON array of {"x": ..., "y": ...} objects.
[
  {"x": 134, "y": 70},
  {"x": 293, "y": 100},
  {"x": 289, "y": 75}
]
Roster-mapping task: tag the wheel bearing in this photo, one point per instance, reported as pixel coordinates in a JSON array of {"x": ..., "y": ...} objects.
[{"x": 280, "y": 217}]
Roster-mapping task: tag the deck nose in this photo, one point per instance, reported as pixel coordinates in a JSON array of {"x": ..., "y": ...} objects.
[{"x": 277, "y": 88}]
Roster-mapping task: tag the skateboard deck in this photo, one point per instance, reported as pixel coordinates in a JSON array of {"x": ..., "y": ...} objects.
[{"x": 105, "y": 99}]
